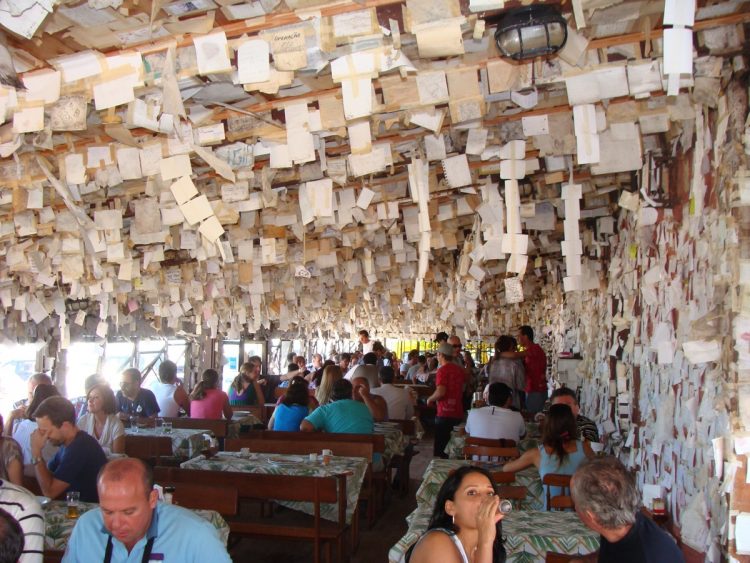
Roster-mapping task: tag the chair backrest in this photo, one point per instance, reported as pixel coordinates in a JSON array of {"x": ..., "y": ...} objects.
[
  {"x": 512, "y": 493},
  {"x": 217, "y": 426},
  {"x": 559, "y": 557},
  {"x": 147, "y": 448},
  {"x": 314, "y": 444},
  {"x": 563, "y": 501},
  {"x": 491, "y": 452},
  {"x": 221, "y": 498},
  {"x": 503, "y": 477},
  {"x": 501, "y": 443},
  {"x": 407, "y": 425},
  {"x": 378, "y": 440}
]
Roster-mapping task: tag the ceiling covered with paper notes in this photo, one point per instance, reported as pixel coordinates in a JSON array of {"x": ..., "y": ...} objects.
[{"x": 229, "y": 166}]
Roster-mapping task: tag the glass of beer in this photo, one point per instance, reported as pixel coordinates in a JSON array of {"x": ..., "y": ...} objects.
[{"x": 72, "y": 498}]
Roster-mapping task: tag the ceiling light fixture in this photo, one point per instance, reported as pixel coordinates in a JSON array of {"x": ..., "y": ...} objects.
[{"x": 530, "y": 32}]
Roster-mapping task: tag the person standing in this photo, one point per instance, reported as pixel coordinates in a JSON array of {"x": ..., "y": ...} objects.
[
  {"x": 535, "y": 362},
  {"x": 448, "y": 395}
]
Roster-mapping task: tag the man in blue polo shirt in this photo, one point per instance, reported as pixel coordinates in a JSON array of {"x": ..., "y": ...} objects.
[
  {"x": 76, "y": 463},
  {"x": 130, "y": 524}
]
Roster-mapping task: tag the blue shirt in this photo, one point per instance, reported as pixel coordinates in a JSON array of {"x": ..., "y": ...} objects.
[
  {"x": 180, "y": 536},
  {"x": 145, "y": 403},
  {"x": 78, "y": 465},
  {"x": 550, "y": 463},
  {"x": 342, "y": 416},
  {"x": 288, "y": 418}
]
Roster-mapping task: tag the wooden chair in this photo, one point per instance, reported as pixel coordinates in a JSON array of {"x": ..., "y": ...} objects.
[
  {"x": 513, "y": 493},
  {"x": 151, "y": 449},
  {"x": 262, "y": 487},
  {"x": 503, "y": 477},
  {"x": 558, "y": 502},
  {"x": 493, "y": 452},
  {"x": 501, "y": 443}
]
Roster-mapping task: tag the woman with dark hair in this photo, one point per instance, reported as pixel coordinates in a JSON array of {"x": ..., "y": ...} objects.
[
  {"x": 207, "y": 401},
  {"x": 24, "y": 429},
  {"x": 293, "y": 408},
  {"x": 465, "y": 525},
  {"x": 101, "y": 420},
  {"x": 560, "y": 452},
  {"x": 246, "y": 389}
]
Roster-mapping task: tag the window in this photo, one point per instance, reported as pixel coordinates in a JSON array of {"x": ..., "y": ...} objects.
[{"x": 15, "y": 371}]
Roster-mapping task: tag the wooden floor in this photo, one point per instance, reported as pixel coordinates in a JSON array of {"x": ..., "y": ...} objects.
[{"x": 374, "y": 543}]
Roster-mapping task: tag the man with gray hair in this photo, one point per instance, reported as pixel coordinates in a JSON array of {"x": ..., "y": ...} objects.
[{"x": 607, "y": 501}]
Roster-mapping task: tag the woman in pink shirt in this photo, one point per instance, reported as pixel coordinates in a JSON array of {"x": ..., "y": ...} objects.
[{"x": 206, "y": 401}]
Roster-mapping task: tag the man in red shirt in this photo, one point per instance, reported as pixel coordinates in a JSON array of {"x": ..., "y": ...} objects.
[
  {"x": 448, "y": 397},
  {"x": 535, "y": 362}
]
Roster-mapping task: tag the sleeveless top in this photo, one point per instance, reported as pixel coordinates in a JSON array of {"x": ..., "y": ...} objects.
[
  {"x": 164, "y": 393},
  {"x": 550, "y": 463},
  {"x": 210, "y": 406},
  {"x": 451, "y": 535}
]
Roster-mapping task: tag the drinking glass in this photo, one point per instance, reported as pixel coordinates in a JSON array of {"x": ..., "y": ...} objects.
[
  {"x": 72, "y": 498},
  {"x": 167, "y": 427}
]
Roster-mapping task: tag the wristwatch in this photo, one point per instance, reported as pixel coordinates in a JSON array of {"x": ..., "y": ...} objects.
[{"x": 35, "y": 460}]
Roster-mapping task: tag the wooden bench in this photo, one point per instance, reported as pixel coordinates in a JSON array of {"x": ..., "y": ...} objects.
[
  {"x": 151, "y": 449},
  {"x": 262, "y": 487}
]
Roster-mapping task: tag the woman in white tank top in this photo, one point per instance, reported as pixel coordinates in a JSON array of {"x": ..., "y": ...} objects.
[
  {"x": 168, "y": 392},
  {"x": 465, "y": 525}
]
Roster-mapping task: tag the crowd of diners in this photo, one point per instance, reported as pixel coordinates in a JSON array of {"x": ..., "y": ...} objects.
[{"x": 66, "y": 446}]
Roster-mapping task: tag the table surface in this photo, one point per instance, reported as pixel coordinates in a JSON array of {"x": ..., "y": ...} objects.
[
  {"x": 186, "y": 442},
  {"x": 395, "y": 441},
  {"x": 59, "y": 527},
  {"x": 279, "y": 464},
  {"x": 528, "y": 535}
]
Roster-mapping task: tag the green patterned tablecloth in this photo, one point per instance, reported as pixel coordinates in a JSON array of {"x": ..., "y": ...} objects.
[
  {"x": 438, "y": 469},
  {"x": 395, "y": 443},
  {"x": 353, "y": 467},
  {"x": 528, "y": 535},
  {"x": 186, "y": 442},
  {"x": 240, "y": 420},
  {"x": 455, "y": 446},
  {"x": 59, "y": 528}
]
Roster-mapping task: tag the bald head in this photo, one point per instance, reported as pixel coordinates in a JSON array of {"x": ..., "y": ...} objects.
[{"x": 129, "y": 470}]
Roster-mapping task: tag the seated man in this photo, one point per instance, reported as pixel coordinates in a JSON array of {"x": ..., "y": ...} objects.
[
  {"x": 607, "y": 501},
  {"x": 77, "y": 462},
  {"x": 376, "y": 404},
  {"x": 169, "y": 393},
  {"x": 496, "y": 421},
  {"x": 587, "y": 430},
  {"x": 367, "y": 368},
  {"x": 342, "y": 414},
  {"x": 11, "y": 538},
  {"x": 398, "y": 399},
  {"x": 132, "y": 400},
  {"x": 131, "y": 525},
  {"x": 25, "y": 508}
]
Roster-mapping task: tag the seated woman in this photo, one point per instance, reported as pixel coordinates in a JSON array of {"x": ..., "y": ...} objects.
[
  {"x": 331, "y": 374},
  {"x": 294, "y": 407},
  {"x": 23, "y": 430},
  {"x": 246, "y": 389},
  {"x": 206, "y": 401},
  {"x": 101, "y": 420},
  {"x": 560, "y": 452},
  {"x": 465, "y": 524},
  {"x": 11, "y": 460}
]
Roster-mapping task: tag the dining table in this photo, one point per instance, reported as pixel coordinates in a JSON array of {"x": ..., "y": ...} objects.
[
  {"x": 395, "y": 441},
  {"x": 528, "y": 535},
  {"x": 186, "y": 442},
  {"x": 58, "y": 526},
  {"x": 242, "y": 420},
  {"x": 455, "y": 446},
  {"x": 354, "y": 468}
]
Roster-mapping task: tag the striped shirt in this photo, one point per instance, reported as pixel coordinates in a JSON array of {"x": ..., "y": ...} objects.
[{"x": 24, "y": 507}]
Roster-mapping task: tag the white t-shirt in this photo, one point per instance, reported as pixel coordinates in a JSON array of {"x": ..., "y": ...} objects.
[
  {"x": 367, "y": 347},
  {"x": 113, "y": 429},
  {"x": 164, "y": 393},
  {"x": 495, "y": 423},
  {"x": 25, "y": 508},
  {"x": 22, "y": 434},
  {"x": 397, "y": 399}
]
